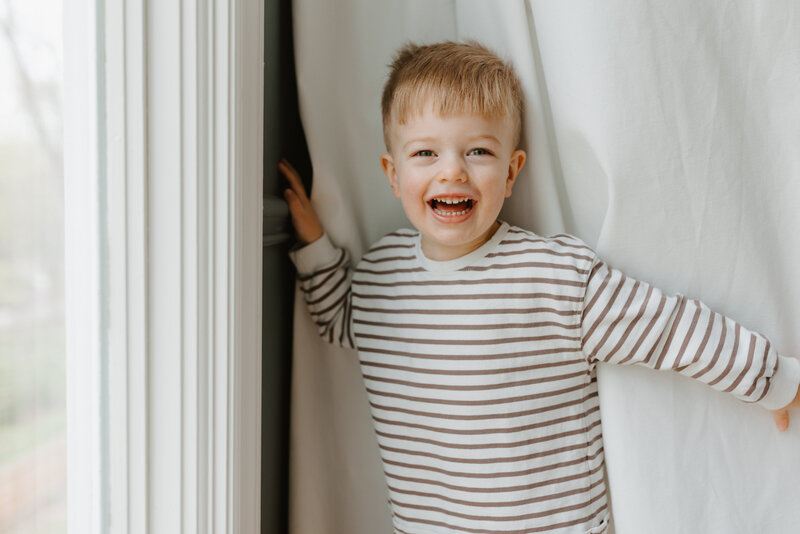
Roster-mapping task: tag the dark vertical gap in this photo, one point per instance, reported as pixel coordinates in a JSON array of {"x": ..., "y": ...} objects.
[
  {"x": 292, "y": 141},
  {"x": 283, "y": 137}
]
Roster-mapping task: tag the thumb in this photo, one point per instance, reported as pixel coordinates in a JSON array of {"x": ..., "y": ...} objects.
[
  {"x": 781, "y": 419},
  {"x": 292, "y": 199}
]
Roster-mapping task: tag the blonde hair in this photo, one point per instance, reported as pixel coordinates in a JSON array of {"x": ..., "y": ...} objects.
[{"x": 458, "y": 77}]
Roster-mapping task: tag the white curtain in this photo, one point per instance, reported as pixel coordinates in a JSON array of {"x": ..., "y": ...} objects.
[{"x": 664, "y": 134}]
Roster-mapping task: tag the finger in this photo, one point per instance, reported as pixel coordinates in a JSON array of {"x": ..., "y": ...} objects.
[
  {"x": 781, "y": 419},
  {"x": 294, "y": 179},
  {"x": 292, "y": 176},
  {"x": 295, "y": 205}
]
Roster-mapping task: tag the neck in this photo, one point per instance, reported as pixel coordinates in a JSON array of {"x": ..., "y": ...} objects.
[{"x": 446, "y": 253}]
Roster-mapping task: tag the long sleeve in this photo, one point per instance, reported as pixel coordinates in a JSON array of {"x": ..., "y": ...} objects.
[
  {"x": 324, "y": 275},
  {"x": 626, "y": 321}
]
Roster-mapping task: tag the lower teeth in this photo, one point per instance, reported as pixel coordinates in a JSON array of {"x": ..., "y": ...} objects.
[{"x": 450, "y": 213}]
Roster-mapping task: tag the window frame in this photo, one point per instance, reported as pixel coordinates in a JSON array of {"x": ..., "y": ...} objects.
[{"x": 163, "y": 141}]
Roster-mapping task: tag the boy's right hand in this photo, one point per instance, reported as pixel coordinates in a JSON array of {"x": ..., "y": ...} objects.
[{"x": 304, "y": 218}]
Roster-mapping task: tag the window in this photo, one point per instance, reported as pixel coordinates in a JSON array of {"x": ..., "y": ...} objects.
[{"x": 32, "y": 347}]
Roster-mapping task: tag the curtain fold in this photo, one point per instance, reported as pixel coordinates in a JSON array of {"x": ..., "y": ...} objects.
[{"x": 665, "y": 136}]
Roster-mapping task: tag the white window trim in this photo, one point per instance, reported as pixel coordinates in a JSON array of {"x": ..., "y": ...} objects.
[
  {"x": 164, "y": 279},
  {"x": 82, "y": 291}
]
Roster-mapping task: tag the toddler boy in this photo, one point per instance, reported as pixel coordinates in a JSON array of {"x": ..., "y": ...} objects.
[{"x": 478, "y": 340}]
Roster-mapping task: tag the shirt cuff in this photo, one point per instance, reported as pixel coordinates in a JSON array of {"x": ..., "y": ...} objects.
[
  {"x": 783, "y": 384},
  {"x": 314, "y": 256}
]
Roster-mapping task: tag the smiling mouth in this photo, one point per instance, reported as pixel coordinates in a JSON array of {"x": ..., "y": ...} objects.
[{"x": 451, "y": 207}]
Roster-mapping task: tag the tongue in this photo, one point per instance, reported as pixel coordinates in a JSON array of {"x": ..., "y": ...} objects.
[{"x": 460, "y": 206}]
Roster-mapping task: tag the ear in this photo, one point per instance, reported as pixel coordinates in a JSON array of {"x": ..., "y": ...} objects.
[
  {"x": 518, "y": 158},
  {"x": 387, "y": 163}
]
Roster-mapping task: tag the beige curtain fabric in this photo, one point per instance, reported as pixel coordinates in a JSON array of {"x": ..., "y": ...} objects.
[{"x": 663, "y": 134}]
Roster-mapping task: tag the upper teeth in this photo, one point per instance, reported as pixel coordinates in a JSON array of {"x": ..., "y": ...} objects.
[{"x": 451, "y": 200}]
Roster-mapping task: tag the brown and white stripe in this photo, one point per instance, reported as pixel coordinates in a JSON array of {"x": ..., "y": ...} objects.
[{"x": 480, "y": 372}]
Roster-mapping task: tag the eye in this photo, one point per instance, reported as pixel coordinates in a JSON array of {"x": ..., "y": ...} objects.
[
  {"x": 424, "y": 153},
  {"x": 479, "y": 152}
]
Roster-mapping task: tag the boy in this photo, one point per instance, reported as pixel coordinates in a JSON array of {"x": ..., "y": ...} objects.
[{"x": 478, "y": 340}]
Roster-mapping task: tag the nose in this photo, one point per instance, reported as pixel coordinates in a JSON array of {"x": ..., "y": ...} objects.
[{"x": 452, "y": 169}]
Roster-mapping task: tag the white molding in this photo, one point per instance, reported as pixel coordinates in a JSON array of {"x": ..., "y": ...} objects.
[
  {"x": 184, "y": 83},
  {"x": 248, "y": 76},
  {"x": 126, "y": 128},
  {"x": 83, "y": 284}
]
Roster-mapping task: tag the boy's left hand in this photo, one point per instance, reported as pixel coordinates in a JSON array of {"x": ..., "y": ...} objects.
[{"x": 782, "y": 416}]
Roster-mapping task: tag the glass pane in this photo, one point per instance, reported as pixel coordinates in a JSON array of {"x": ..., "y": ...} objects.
[{"x": 32, "y": 378}]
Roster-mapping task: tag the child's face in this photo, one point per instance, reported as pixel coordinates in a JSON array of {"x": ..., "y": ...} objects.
[{"x": 452, "y": 175}]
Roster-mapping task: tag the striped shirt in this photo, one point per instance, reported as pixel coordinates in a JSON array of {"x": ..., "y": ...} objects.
[{"x": 481, "y": 376}]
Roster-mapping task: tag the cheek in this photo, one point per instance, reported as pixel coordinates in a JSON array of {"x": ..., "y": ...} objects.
[
  {"x": 495, "y": 185},
  {"x": 409, "y": 187},
  {"x": 411, "y": 197}
]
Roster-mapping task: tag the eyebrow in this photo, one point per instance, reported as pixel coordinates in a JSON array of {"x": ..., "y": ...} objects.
[{"x": 470, "y": 139}]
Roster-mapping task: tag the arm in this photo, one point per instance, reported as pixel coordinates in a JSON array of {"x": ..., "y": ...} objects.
[
  {"x": 323, "y": 271},
  {"x": 626, "y": 321}
]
